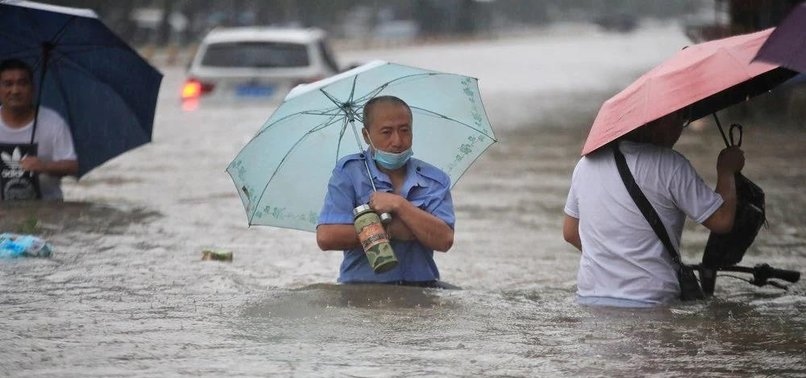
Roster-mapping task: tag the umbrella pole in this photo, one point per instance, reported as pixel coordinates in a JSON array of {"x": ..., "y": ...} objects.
[
  {"x": 385, "y": 217},
  {"x": 366, "y": 165},
  {"x": 719, "y": 125},
  {"x": 46, "y": 47},
  {"x": 349, "y": 112}
]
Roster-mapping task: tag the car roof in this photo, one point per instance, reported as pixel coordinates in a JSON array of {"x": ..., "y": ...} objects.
[{"x": 255, "y": 33}]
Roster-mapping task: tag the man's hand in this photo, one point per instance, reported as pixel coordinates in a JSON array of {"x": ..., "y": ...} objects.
[
  {"x": 33, "y": 164},
  {"x": 415, "y": 223},
  {"x": 730, "y": 161},
  {"x": 383, "y": 202}
]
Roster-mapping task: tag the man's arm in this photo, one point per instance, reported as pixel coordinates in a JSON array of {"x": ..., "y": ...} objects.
[
  {"x": 335, "y": 230},
  {"x": 428, "y": 229},
  {"x": 331, "y": 237},
  {"x": 730, "y": 161},
  {"x": 53, "y": 168},
  {"x": 571, "y": 231}
]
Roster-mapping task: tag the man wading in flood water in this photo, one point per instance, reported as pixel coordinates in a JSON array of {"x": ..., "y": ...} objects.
[
  {"x": 415, "y": 193},
  {"x": 623, "y": 261},
  {"x": 36, "y": 148}
]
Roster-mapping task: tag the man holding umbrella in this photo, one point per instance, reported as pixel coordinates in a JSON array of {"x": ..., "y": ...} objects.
[
  {"x": 37, "y": 148},
  {"x": 624, "y": 263},
  {"x": 415, "y": 193},
  {"x": 631, "y": 193}
]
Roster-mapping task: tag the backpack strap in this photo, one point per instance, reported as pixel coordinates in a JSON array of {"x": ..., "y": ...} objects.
[{"x": 643, "y": 203}]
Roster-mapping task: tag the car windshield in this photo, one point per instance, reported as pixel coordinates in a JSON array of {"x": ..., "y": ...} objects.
[{"x": 256, "y": 54}]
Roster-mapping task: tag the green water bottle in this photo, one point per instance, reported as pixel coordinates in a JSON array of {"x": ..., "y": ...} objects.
[{"x": 374, "y": 239}]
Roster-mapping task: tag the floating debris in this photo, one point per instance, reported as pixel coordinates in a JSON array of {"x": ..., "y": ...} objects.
[
  {"x": 16, "y": 245},
  {"x": 216, "y": 255}
]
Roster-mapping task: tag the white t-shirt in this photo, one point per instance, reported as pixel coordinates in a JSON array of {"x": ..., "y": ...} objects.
[
  {"x": 54, "y": 144},
  {"x": 621, "y": 255}
]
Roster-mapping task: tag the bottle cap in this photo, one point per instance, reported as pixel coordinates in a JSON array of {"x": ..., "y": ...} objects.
[{"x": 360, "y": 209}]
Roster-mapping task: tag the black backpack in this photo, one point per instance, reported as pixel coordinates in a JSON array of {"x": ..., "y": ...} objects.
[
  {"x": 723, "y": 250},
  {"x": 728, "y": 249}
]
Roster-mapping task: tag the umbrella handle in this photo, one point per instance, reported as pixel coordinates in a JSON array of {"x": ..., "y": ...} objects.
[{"x": 741, "y": 132}]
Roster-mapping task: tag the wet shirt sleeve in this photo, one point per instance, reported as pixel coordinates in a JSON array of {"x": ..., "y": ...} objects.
[
  {"x": 434, "y": 196},
  {"x": 691, "y": 194},
  {"x": 62, "y": 142},
  {"x": 339, "y": 199},
  {"x": 572, "y": 202}
]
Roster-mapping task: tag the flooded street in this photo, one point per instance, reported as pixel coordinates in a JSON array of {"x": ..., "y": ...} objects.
[{"x": 126, "y": 292}]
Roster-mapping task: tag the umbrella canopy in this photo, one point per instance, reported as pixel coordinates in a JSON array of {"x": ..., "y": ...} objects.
[
  {"x": 282, "y": 173},
  {"x": 105, "y": 91},
  {"x": 787, "y": 44},
  {"x": 709, "y": 76}
]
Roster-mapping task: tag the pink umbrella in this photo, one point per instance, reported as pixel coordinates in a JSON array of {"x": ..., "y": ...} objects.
[
  {"x": 787, "y": 44},
  {"x": 709, "y": 76}
]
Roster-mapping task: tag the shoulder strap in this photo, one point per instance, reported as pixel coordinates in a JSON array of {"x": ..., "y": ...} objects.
[{"x": 643, "y": 203}]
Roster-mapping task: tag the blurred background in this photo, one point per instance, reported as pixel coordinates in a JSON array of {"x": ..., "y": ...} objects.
[
  {"x": 180, "y": 24},
  {"x": 168, "y": 32}
]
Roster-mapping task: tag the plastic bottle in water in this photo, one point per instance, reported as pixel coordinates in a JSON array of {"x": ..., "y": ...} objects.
[{"x": 14, "y": 245}]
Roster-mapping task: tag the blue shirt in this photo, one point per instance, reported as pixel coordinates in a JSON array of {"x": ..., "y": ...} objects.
[{"x": 425, "y": 186}]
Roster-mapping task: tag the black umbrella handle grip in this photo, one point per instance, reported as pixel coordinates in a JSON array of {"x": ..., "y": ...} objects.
[{"x": 732, "y": 139}]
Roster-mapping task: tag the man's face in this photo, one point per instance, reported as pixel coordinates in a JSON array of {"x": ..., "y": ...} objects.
[
  {"x": 16, "y": 89},
  {"x": 389, "y": 128}
]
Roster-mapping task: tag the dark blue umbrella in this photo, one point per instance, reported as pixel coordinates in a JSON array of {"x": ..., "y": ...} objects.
[{"x": 103, "y": 88}]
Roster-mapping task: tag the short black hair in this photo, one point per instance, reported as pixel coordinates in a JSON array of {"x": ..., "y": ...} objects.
[
  {"x": 381, "y": 99},
  {"x": 16, "y": 64}
]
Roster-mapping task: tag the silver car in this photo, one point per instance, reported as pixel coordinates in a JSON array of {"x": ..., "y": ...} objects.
[{"x": 256, "y": 64}]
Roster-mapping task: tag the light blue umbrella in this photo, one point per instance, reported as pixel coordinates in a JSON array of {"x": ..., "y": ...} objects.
[{"x": 282, "y": 173}]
